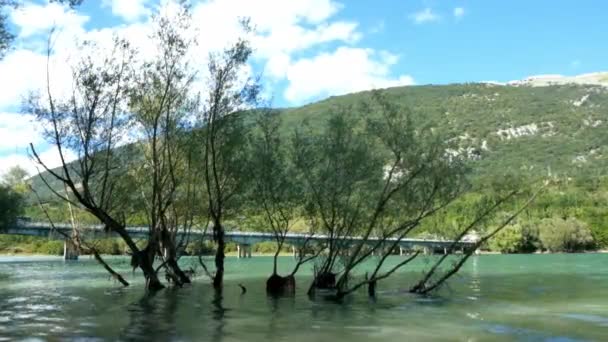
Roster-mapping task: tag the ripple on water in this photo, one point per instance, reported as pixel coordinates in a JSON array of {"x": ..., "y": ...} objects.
[
  {"x": 17, "y": 300},
  {"x": 24, "y": 316},
  {"x": 594, "y": 319},
  {"x": 527, "y": 334},
  {"x": 474, "y": 315},
  {"x": 51, "y": 319},
  {"x": 42, "y": 307}
]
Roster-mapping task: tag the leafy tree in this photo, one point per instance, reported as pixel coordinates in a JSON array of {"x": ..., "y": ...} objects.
[
  {"x": 15, "y": 177},
  {"x": 223, "y": 138},
  {"x": 509, "y": 240},
  {"x": 161, "y": 102},
  {"x": 565, "y": 235},
  {"x": 11, "y": 206},
  {"x": 277, "y": 193},
  {"x": 92, "y": 122},
  {"x": 378, "y": 179}
]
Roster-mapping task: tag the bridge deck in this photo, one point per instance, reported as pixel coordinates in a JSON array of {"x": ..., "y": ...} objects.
[{"x": 244, "y": 238}]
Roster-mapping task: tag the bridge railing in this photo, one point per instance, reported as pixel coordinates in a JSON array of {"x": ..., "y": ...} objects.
[{"x": 252, "y": 235}]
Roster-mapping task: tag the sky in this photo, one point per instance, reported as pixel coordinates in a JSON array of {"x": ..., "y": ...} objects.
[{"x": 307, "y": 50}]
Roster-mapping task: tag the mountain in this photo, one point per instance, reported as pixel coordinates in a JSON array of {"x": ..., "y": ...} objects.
[
  {"x": 528, "y": 128},
  {"x": 595, "y": 78},
  {"x": 523, "y": 128}
]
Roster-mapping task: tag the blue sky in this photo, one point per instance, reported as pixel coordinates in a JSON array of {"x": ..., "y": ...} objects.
[{"x": 310, "y": 49}]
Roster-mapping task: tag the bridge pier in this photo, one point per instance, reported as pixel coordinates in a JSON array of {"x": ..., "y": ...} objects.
[
  {"x": 70, "y": 250},
  {"x": 297, "y": 252},
  {"x": 244, "y": 251}
]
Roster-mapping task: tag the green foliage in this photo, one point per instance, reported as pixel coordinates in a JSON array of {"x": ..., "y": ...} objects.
[
  {"x": 11, "y": 206},
  {"x": 508, "y": 240},
  {"x": 196, "y": 248},
  {"x": 35, "y": 245},
  {"x": 521, "y": 237},
  {"x": 30, "y": 245},
  {"x": 564, "y": 235},
  {"x": 475, "y": 113},
  {"x": 15, "y": 178},
  {"x": 50, "y": 248},
  {"x": 109, "y": 246}
]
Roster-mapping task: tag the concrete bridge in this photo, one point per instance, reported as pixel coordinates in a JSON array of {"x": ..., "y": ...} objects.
[{"x": 243, "y": 240}]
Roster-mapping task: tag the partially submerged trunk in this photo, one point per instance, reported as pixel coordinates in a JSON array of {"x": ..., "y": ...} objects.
[
  {"x": 144, "y": 259},
  {"x": 277, "y": 285},
  {"x": 218, "y": 279},
  {"x": 178, "y": 276},
  {"x": 174, "y": 272},
  {"x": 323, "y": 281}
]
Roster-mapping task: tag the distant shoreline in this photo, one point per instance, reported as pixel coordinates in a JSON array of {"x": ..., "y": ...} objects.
[{"x": 284, "y": 254}]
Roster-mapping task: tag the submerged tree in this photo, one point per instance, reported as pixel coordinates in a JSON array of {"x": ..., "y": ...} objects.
[
  {"x": 223, "y": 137},
  {"x": 277, "y": 192},
  {"x": 92, "y": 122},
  {"x": 377, "y": 179},
  {"x": 163, "y": 106}
]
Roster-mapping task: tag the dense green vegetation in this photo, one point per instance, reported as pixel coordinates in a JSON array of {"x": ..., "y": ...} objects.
[
  {"x": 15, "y": 245},
  {"x": 561, "y": 128},
  {"x": 10, "y": 205}
]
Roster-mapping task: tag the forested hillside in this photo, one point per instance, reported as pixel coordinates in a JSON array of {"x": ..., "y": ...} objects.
[
  {"x": 557, "y": 130},
  {"x": 526, "y": 133}
]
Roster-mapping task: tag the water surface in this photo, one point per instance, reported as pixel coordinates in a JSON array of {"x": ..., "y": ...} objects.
[{"x": 495, "y": 297}]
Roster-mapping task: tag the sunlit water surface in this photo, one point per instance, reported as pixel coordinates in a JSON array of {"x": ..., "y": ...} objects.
[{"x": 495, "y": 297}]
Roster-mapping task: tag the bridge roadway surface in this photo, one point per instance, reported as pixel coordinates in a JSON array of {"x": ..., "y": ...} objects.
[{"x": 237, "y": 237}]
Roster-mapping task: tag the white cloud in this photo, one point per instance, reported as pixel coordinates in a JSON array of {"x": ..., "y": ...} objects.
[
  {"x": 284, "y": 29},
  {"x": 25, "y": 67},
  {"x": 50, "y": 157},
  {"x": 281, "y": 26},
  {"x": 267, "y": 15},
  {"x": 35, "y": 19},
  {"x": 129, "y": 10},
  {"x": 425, "y": 16},
  {"x": 17, "y": 131},
  {"x": 458, "y": 12},
  {"x": 9, "y": 161},
  {"x": 26, "y": 72},
  {"x": 345, "y": 70},
  {"x": 290, "y": 27}
]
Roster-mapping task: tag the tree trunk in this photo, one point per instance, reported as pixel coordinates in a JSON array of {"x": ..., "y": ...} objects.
[
  {"x": 218, "y": 279},
  {"x": 325, "y": 281},
  {"x": 181, "y": 276},
  {"x": 170, "y": 253},
  {"x": 144, "y": 259},
  {"x": 152, "y": 281},
  {"x": 281, "y": 286}
]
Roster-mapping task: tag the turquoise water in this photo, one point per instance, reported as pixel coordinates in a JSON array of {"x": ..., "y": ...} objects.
[{"x": 495, "y": 297}]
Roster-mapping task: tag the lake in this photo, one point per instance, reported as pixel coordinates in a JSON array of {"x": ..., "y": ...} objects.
[{"x": 557, "y": 297}]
